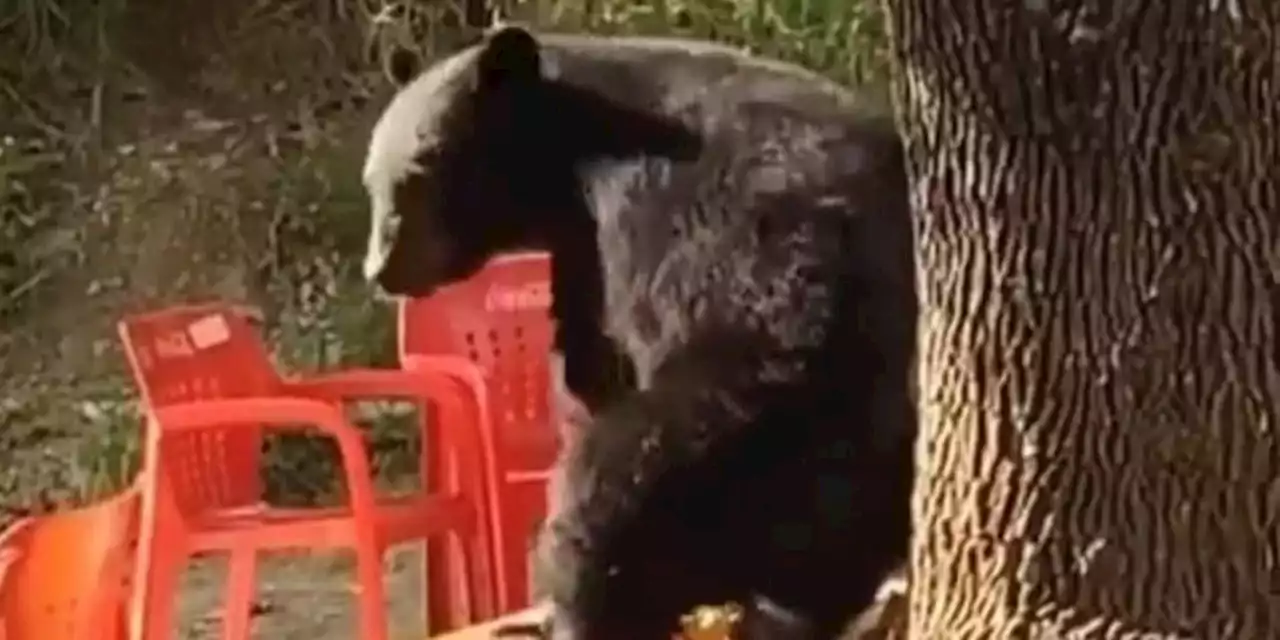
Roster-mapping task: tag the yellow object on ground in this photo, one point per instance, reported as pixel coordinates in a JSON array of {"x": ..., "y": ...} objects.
[
  {"x": 705, "y": 623},
  {"x": 485, "y": 631}
]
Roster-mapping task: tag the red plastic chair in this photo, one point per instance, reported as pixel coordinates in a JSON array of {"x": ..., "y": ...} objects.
[
  {"x": 494, "y": 332},
  {"x": 210, "y": 391},
  {"x": 65, "y": 576}
]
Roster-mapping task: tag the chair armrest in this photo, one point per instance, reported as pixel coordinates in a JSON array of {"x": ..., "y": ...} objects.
[
  {"x": 462, "y": 370},
  {"x": 436, "y": 379},
  {"x": 456, "y": 366},
  {"x": 277, "y": 412},
  {"x": 252, "y": 412},
  {"x": 455, "y": 388},
  {"x": 354, "y": 384}
]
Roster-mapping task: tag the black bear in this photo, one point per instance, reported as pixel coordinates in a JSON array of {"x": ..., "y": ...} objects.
[{"x": 734, "y": 231}]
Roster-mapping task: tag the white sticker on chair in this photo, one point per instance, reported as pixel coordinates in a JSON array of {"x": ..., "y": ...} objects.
[{"x": 209, "y": 331}]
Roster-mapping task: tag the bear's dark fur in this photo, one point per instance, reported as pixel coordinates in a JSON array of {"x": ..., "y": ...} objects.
[{"x": 738, "y": 228}]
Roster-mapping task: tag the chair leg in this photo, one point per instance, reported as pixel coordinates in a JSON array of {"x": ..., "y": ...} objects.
[
  {"x": 480, "y": 585},
  {"x": 372, "y": 594},
  {"x": 237, "y": 603},
  {"x": 155, "y": 592},
  {"x": 439, "y": 574},
  {"x": 441, "y": 585}
]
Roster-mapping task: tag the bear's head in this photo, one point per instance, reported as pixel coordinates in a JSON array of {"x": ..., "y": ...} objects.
[{"x": 481, "y": 153}]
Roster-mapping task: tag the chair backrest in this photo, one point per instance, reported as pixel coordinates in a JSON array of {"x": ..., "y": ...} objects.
[
  {"x": 64, "y": 576},
  {"x": 202, "y": 352},
  {"x": 499, "y": 319}
]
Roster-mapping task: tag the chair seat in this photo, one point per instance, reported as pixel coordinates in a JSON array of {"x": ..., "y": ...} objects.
[{"x": 265, "y": 527}]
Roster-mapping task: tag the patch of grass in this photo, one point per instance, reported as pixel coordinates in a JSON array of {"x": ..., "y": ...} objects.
[
  {"x": 108, "y": 460},
  {"x": 25, "y": 215}
]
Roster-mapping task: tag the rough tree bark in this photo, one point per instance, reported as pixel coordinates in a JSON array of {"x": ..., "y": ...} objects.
[{"x": 1097, "y": 192}]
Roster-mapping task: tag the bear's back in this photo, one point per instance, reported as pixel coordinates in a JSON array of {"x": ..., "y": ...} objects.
[
  {"x": 788, "y": 200},
  {"x": 667, "y": 75}
]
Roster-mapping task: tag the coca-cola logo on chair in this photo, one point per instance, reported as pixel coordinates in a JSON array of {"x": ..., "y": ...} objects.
[{"x": 532, "y": 296}]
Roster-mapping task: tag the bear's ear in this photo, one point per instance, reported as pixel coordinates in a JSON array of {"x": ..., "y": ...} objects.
[
  {"x": 402, "y": 66},
  {"x": 510, "y": 54}
]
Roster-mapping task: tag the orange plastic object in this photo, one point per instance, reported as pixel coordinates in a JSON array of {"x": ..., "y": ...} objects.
[
  {"x": 210, "y": 390},
  {"x": 64, "y": 576},
  {"x": 494, "y": 333}
]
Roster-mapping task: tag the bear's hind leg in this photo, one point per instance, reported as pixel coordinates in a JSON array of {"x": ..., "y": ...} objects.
[
  {"x": 650, "y": 584},
  {"x": 640, "y": 534}
]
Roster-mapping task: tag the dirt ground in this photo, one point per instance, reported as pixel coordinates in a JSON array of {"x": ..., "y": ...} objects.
[
  {"x": 305, "y": 598},
  {"x": 313, "y": 598}
]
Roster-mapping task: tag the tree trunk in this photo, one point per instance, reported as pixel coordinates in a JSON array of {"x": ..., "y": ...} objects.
[{"x": 1096, "y": 188}]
